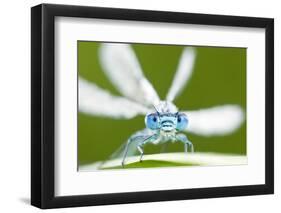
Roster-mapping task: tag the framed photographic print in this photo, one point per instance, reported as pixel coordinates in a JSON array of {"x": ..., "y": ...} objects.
[{"x": 141, "y": 106}]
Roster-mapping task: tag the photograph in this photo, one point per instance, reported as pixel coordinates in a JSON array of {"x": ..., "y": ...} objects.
[{"x": 144, "y": 106}]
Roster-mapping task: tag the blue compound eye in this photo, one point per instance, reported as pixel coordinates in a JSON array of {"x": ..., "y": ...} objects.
[
  {"x": 182, "y": 121},
  {"x": 152, "y": 121}
]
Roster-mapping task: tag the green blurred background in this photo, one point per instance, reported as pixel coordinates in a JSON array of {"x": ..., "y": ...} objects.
[{"x": 219, "y": 77}]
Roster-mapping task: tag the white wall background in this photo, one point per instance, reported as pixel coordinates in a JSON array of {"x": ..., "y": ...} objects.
[{"x": 15, "y": 105}]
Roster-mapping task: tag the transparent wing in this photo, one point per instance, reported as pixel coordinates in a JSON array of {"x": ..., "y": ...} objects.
[
  {"x": 218, "y": 120},
  {"x": 121, "y": 66},
  {"x": 96, "y": 101},
  {"x": 132, "y": 148},
  {"x": 117, "y": 156},
  {"x": 183, "y": 73},
  {"x": 119, "y": 153}
]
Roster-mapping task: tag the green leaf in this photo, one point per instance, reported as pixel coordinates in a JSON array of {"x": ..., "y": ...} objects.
[{"x": 169, "y": 160}]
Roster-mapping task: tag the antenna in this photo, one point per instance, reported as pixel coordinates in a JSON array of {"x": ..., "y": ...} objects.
[{"x": 158, "y": 113}]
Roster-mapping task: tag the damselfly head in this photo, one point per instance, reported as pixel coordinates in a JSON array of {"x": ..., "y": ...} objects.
[{"x": 166, "y": 118}]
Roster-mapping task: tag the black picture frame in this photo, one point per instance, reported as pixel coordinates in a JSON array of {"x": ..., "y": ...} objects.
[{"x": 43, "y": 105}]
